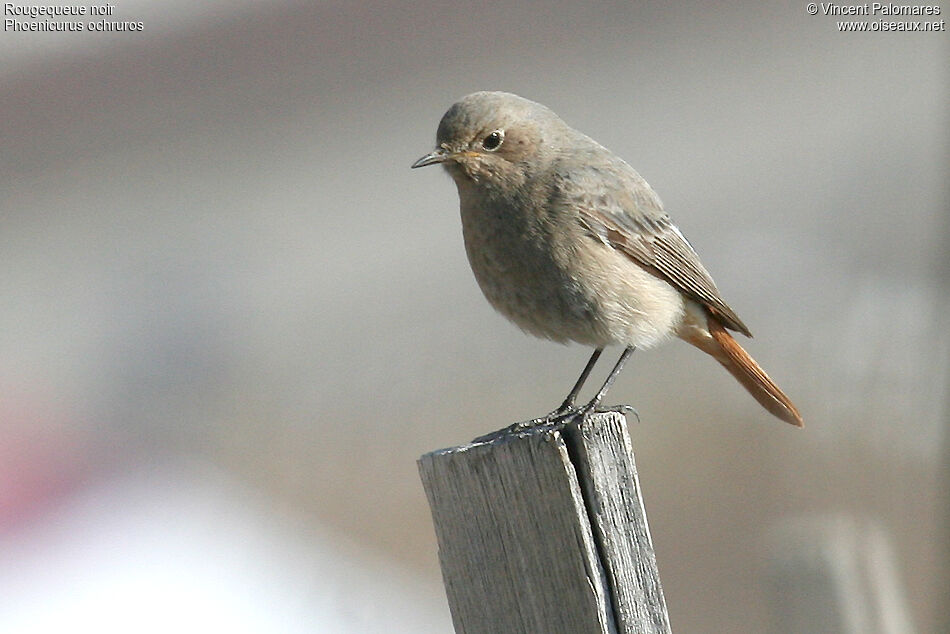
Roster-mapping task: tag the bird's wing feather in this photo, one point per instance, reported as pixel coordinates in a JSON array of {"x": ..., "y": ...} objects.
[{"x": 632, "y": 221}]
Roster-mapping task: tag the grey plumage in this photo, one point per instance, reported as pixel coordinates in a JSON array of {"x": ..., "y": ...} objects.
[
  {"x": 619, "y": 208},
  {"x": 569, "y": 242}
]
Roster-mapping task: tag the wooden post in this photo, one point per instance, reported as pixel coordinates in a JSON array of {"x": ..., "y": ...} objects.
[{"x": 544, "y": 531}]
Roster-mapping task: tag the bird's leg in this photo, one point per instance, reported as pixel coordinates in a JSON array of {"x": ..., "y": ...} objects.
[
  {"x": 566, "y": 410},
  {"x": 568, "y": 406},
  {"x": 592, "y": 406}
]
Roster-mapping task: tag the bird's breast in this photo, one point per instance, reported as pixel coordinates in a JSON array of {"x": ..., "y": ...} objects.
[
  {"x": 552, "y": 280},
  {"x": 514, "y": 254}
]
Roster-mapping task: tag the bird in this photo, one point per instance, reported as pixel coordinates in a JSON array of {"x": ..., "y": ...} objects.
[{"x": 570, "y": 243}]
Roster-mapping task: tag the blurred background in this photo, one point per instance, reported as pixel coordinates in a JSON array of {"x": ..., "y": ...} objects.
[{"x": 232, "y": 318}]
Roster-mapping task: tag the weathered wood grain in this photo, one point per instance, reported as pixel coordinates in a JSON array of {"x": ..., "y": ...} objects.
[
  {"x": 544, "y": 531},
  {"x": 603, "y": 454}
]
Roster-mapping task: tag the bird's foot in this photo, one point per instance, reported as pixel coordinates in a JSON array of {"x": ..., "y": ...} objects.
[
  {"x": 620, "y": 409},
  {"x": 557, "y": 419},
  {"x": 595, "y": 408},
  {"x": 566, "y": 411},
  {"x": 552, "y": 420},
  {"x": 515, "y": 428}
]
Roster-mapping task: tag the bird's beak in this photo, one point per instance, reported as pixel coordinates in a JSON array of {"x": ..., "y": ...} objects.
[{"x": 436, "y": 156}]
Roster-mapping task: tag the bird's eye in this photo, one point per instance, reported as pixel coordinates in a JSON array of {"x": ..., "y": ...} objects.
[{"x": 493, "y": 141}]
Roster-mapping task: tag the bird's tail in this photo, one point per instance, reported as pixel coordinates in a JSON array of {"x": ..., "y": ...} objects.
[{"x": 730, "y": 354}]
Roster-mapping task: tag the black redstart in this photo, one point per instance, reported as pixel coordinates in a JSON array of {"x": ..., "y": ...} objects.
[{"x": 570, "y": 243}]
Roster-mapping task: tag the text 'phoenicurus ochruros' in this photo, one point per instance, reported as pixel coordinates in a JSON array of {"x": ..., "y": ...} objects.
[{"x": 571, "y": 244}]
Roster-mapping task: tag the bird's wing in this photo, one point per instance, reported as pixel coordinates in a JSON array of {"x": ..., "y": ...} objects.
[{"x": 632, "y": 221}]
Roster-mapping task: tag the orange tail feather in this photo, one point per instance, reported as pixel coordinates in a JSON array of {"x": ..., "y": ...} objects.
[{"x": 730, "y": 354}]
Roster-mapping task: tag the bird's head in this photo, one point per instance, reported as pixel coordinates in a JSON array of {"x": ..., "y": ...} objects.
[{"x": 494, "y": 138}]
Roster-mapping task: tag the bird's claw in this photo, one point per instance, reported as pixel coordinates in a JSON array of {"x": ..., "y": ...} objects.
[
  {"x": 551, "y": 420},
  {"x": 556, "y": 419},
  {"x": 516, "y": 428},
  {"x": 621, "y": 409}
]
